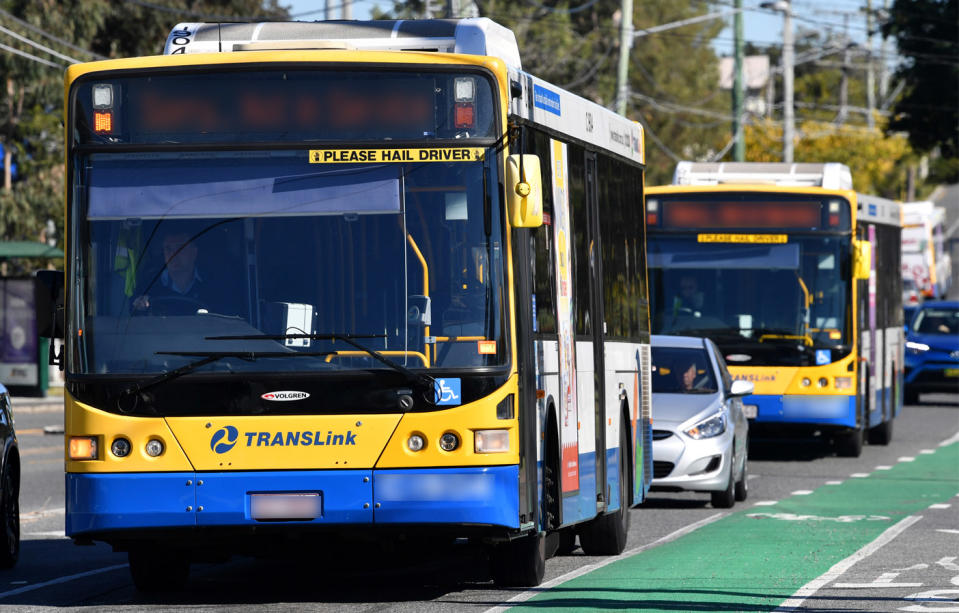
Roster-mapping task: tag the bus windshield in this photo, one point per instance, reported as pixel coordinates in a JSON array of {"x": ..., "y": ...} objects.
[
  {"x": 710, "y": 289},
  {"x": 174, "y": 250}
]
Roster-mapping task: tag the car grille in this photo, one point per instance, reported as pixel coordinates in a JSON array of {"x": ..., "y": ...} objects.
[{"x": 662, "y": 469}]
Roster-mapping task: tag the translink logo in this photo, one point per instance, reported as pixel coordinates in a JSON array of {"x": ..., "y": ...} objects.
[{"x": 225, "y": 439}]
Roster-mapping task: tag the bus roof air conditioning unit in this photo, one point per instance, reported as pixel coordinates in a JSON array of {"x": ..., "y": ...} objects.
[{"x": 828, "y": 175}]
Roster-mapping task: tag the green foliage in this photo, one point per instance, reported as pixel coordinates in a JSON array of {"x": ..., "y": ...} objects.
[
  {"x": 31, "y": 93},
  {"x": 928, "y": 110}
]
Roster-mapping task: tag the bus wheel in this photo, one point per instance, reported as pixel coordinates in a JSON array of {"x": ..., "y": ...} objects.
[
  {"x": 910, "y": 396},
  {"x": 881, "y": 434},
  {"x": 567, "y": 542},
  {"x": 158, "y": 570},
  {"x": 606, "y": 534},
  {"x": 849, "y": 444},
  {"x": 520, "y": 563}
]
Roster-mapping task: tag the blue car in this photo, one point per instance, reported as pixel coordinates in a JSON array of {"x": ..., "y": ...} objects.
[{"x": 932, "y": 350}]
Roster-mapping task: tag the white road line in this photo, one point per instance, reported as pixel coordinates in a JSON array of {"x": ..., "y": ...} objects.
[
  {"x": 37, "y": 586},
  {"x": 859, "y": 475},
  {"x": 884, "y": 468},
  {"x": 802, "y": 492},
  {"x": 672, "y": 536},
  {"x": 765, "y": 503},
  {"x": 907, "y": 458},
  {"x": 952, "y": 439},
  {"x": 948, "y": 531},
  {"x": 927, "y": 451},
  {"x": 834, "y": 482},
  {"x": 839, "y": 568},
  {"x": 54, "y": 533},
  {"x": 940, "y": 505}
]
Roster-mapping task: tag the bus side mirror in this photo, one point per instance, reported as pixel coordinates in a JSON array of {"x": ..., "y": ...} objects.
[
  {"x": 862, "y": 259},
  {"x": 49, "y": 303},
  {"x": 524, "y": 191}
]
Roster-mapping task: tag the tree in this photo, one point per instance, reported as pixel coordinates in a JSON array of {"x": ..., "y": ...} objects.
[
  {"x": 31, "y": 93},
  {"x": 928, "y": 41}
]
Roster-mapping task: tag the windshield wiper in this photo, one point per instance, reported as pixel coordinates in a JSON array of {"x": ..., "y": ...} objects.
[
  {"x": 208, "y": 357},
  {"x": 411, "y": 376},
  {"x": 774, "y": 334}
]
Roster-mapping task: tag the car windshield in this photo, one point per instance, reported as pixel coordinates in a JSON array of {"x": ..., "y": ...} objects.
[
  {"x": 937, "y": 320},
  {"x": 175, "y": 249},
  {"x": 682, "y": 371},
  {"x": 708, "y": 289}
]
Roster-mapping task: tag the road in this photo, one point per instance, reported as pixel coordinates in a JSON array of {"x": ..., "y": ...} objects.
[{"x": 818, "y": 533}]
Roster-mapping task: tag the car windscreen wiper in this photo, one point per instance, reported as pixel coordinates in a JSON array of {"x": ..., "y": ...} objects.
[{"x": 411, "y": 376}]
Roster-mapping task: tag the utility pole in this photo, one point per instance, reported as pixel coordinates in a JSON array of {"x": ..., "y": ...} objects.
[
  {"x": 883, "y": 58},
  {"x": 347, "y": 9},
  {"x": 789, "y": 122},
  {"x": 625, "y": 46},
  {"x": 427, "y": 10},
  {"x": 844, "y": 83},
  {"x": 328, "y": 10},
  {"x": 870, "y": 71},
  {"x": 739, "y": 146}
]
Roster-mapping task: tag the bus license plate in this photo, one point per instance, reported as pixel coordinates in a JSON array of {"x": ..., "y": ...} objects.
[
  {"x": 285, "y": 506},
  {"x": 952, "y": 372},
  {"x": 750, "y": 411}
]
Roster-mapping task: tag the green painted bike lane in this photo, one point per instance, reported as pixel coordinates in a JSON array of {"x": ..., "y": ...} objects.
[{"x": 756, "y": 558}]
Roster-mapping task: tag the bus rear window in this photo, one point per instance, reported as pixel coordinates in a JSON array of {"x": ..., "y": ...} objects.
[{"x": 283, "y": 105}]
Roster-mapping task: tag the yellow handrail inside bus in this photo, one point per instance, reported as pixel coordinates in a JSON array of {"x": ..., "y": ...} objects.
[
  {"x": 805, "y": 338},
  {"x": 426, "y": 286},
  {"x": 353, "y": 354}
]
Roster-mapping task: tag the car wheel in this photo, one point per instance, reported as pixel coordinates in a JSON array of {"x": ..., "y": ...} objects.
[
  {"x": 741, "y": 490},
  {"x": 727, "y": 497},
  {"x": 10, "y": 532}
]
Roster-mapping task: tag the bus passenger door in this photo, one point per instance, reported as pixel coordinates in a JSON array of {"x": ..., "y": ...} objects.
[{"x": 598, "y": 331}]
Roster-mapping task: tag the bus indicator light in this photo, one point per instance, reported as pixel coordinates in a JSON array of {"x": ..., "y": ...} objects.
[
  {"x": 464, "y": 89},
  {"x": 843, "y": 383},
  {"x": 464, "y": 116},
  {"x": 491, "y": 441},
  {"x": 103, "y": 122},
  {"x": 83, "y": 448},
  {"x": 103, "y": 96}
]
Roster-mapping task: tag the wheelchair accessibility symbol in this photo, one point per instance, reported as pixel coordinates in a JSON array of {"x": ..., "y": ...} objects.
[{"x": 446, "y": 392}]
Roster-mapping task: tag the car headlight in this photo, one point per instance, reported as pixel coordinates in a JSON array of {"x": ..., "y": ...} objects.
[
  {"x": 916, "y": 348},
  {"x": 709, "y": 427}
]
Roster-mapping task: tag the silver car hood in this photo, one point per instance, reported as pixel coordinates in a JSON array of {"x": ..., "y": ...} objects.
[{"x": 675, "y": 410}]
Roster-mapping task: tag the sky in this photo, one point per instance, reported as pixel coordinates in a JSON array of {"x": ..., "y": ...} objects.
[{"x": 761, "y": 27}]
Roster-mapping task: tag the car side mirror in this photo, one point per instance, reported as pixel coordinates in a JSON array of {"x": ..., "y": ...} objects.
[{"x": 741, "y": 388}]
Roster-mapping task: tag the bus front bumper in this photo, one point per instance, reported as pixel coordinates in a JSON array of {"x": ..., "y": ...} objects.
[
  {"x": 813, "y": 410},
  {"x": 106, "y": 502}
]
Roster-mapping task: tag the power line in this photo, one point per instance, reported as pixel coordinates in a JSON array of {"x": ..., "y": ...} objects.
[
  {"x": 188, "y": 13},
  {"x": 46, "y": 34},
  {"x": 29, "y": 56},
  {"x": 37, "y": 45}
]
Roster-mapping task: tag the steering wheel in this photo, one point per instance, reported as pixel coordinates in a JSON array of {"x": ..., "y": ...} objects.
[{"x": 174, "y": 305}]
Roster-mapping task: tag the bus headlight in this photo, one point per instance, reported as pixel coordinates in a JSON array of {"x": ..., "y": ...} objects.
[
  {"x": 491, "y": 441},
  {"x": 806, "y": 382},
  {"x": 416, "y": 442},
  {"x": 154, "y": 447},
  {"x": 120, "y": 447},
  {"x": 83, "y": 448},
  {"x": 449, "y": 442},
  {"x": 823, "y": 382}
]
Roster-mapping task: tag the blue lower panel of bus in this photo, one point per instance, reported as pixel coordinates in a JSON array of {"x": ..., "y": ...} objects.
[
  {"x": 105, "y": 502},
  {"x": 826, "y": 410},
  {"x": 488, "y": 495}
]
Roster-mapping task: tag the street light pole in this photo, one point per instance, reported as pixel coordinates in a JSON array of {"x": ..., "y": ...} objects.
[{"x": 739, "y": 146}]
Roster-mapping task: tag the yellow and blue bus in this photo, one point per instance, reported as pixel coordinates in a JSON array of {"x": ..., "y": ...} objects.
[
  {"x": 331, "y": 278},
  {"x": 797, "y": 279}
]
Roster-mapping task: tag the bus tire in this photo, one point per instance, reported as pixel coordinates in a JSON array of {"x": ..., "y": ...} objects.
[
  {"x": 606, "y": 535},
  {"x": 567, "y": 542},
  {"x": 10, "y": 528},
  {"x": 910, "y": 396},
  {"x": 849, "y": 444},
  {"x": 881, "y": 434},
  {"x": 521, "y": 562},
  {"x": 158, "y": 570}
]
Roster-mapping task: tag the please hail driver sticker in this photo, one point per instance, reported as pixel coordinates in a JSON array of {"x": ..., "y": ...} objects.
[{"x": 284, "y": 396}]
